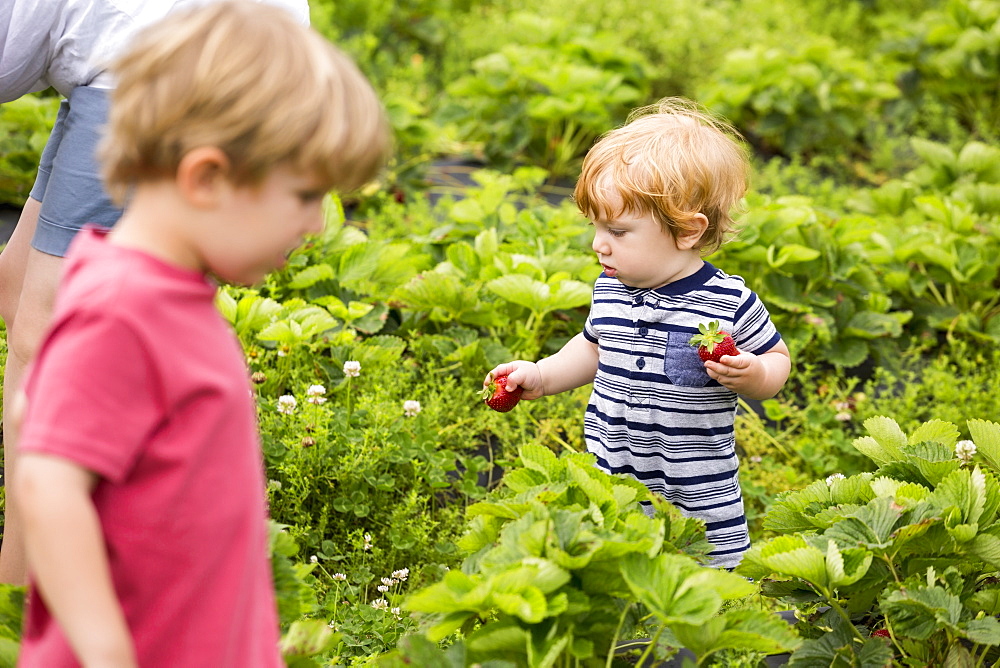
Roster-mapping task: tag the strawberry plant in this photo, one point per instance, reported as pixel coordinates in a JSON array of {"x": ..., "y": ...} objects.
[
  {"x": 546, "y": 101},
  {"x": 817, "y": 276},
  {"x": 564, "y": 564},
  {"x": 953, "y": 52},
  {"x": 811, "y": 96},
  {"x": 24, "y": 128},
  {"x": 911, "y": 548}
]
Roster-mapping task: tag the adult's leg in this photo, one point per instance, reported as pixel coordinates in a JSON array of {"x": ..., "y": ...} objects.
[
  {"x": 67, "y": 194},
  {"x": 28, "y": 279}
]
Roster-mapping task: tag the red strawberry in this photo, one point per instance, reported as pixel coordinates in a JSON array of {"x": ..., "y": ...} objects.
[
  {"x": 713, "y": 343},
  {"x": 497, "y": 397},
  {"x": 880, "y": 633}
]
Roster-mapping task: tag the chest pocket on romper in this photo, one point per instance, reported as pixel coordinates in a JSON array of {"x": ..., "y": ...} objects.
[{"x": 681, "y": 363}]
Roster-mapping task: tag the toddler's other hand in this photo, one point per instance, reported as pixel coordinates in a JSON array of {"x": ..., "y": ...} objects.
[
  {"x": 738, "y": 373},
  {"x": 520, "y": 373}
]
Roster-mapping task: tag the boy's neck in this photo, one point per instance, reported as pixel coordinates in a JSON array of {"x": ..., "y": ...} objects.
[{"x": 154, "y": 223}]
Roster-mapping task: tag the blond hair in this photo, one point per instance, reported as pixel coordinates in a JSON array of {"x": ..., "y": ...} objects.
[
  {"x": 248, "y": 79},
  {"x": 672, "y": 159}
]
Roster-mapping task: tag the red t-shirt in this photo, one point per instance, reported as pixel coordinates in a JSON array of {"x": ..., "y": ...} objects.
[{"x": 141, "y": 381}]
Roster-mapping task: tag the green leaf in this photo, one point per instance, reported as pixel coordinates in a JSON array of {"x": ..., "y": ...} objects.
[
  {"x": 985, "y": 600},
  {"x": 502, "y": 638},
  {"x": 794, "y": 253},
  {"x": 753, "y": 630},
  {"x": 885, "y": 443},
  {"x": 934, "y": 460},
  {"x": 306, "y": 637},
  {"x": 933, "y": 153},
  {"x": 540, "y": 458},
  {"x": 870, "y": 325},
  {"x": 522, "y": 290},
  {"x": 986, "y": 436},
  {"x": 845, "y": 352},
  {"x": 985, "y": 631},
  {"x": 964, "y": 490},
  {"x": 528, "y": 604},
  {"x": 310, "y": 276},
  {"x": 826, "y": 569},
  {"x": 938, "y": 431},
  {"x": 467, "y": 211},
  {"x": 569, "y": 295},
  {"x": 905, "y": 494},
  {"x": 677, "y": 590},
  {"x": 870, "y": 527},
  {"x": 986, "y": 546},
  {"x": 834, "y": 648},
  {"x": 919, "y": 611},
  {"x": 226, "y": 305}
]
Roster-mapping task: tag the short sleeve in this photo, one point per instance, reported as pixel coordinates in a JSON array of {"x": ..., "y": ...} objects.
[
  {"x": 589, "y": 331},
  {"x": 753, "y": 330},
  {"x": 93, "y": 396}
]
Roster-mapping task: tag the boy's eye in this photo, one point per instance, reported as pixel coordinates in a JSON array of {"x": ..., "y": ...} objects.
[
  {"x": 311, "y": 196},
  {"x": 617, "y": 233}
]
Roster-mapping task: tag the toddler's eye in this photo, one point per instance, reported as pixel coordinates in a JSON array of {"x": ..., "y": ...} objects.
[{"x": 617, "y": 233}]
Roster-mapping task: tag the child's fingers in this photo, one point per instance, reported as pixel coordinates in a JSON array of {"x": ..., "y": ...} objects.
[{"x": 501, "y": 370}]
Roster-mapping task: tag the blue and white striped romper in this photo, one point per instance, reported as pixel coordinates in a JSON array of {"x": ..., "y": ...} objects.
[{"x": 655, "y": 414}]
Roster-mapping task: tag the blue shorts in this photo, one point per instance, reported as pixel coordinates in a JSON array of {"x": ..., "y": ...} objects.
[{"x": 69, "y": 182}]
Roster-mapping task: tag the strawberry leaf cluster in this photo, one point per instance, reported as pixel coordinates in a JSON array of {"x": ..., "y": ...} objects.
[{"x": 912, "y": 549}]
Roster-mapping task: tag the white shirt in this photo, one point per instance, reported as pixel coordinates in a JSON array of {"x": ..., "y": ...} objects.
[{"x": 68, "y": 43}]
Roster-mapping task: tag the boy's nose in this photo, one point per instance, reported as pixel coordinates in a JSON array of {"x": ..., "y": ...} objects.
[{"x": 600, "y": 244}]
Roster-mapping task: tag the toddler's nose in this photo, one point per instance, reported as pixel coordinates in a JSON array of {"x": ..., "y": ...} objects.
[{"x": 600, "y": 244}]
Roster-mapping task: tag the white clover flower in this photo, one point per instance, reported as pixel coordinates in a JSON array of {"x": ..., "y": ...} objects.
[
  {"x": 352, "y": 369},
  {"x": 388, "y": 581},
  {"x": 836, "y": 476},
  {"x": 314, "y": 559},
  {"x": 382, "y": 588},
  {"x": 842, "y": 416},
  {"x": 368, "y": 541},
  {"x": 339, "y": 577},
  {"x": 287, "y": 404},
  {"x": 333, "y": 624},
  {"x": 965, "y": 450},
  {"x": 380, "y": 604},
  {"x": 315, "y": 394},
  {"x": 396, "y": 613},
  {"x": 401, "y": 574},
  {"x": 756, "y": 459},
  {"x": 411, "y": 408}
]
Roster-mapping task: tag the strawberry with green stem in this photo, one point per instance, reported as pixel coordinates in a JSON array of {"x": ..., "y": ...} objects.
[
  {"x": 713, "y": 343},
  {"x": 497, "y": 397}
]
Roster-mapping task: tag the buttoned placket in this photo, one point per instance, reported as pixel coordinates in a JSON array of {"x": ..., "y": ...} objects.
[{"x": 638, "y": 398}]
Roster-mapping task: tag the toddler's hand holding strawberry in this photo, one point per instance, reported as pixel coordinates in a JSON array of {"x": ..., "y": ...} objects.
[
  {"x": 520, "y": 374},
  {"x": 739, "y": 373}
]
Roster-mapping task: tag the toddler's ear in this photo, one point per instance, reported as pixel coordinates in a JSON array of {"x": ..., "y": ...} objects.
[{"x": 698, "y": 223}]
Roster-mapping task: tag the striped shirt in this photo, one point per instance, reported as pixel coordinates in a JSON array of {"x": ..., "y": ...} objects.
[{"x": 655, "y": 414}]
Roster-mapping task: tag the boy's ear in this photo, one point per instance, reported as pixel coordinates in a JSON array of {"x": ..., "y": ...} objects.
[
  {"x": 201, "y": 175},
  {"x": 699, "y": 223}
]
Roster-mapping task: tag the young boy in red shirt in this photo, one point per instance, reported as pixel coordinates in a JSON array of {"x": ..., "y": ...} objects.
[{"x": 140, "y": 477}]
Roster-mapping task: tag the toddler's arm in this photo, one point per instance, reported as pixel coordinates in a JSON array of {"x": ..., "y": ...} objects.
[
  {"x": 574, "y": 365},
  {"x": 68, "y": 560},
  {"x": 753, "y": 376}
]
